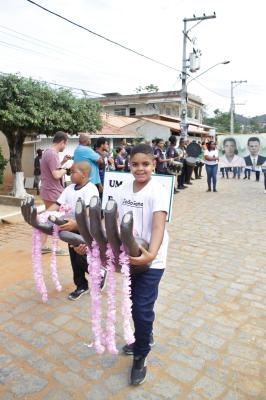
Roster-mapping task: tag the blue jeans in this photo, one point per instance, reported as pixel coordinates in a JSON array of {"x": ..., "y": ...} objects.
[
  {"x": 211, "y": 175},
  {"x": 236, "y": 172},
  {"x": 144, "y": 292},
  {"x": 226, "y": 171}
]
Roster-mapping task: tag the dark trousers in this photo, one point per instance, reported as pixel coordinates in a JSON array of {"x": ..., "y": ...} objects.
[
  {"x": 196, "y": 171},
  {"x": 211, "y": 175},
  {"x": 79, "y": 266},
  {"x": 247, "y": 173},
  {"x": 257, "y": 175},
  {"x": 264, "y": 179},
  {"x": 181, "y": 178},
  {"x": 200, "y": 169},
  {"x": 144, "y": 292}
]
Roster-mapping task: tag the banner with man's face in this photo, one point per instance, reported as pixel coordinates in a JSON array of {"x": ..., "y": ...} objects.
[{"x": 242, "y": 151}]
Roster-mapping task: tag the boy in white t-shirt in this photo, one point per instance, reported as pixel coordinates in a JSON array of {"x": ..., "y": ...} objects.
[
  {"x": 148, "y": 201},
  {"x": 80, "y": 187}
]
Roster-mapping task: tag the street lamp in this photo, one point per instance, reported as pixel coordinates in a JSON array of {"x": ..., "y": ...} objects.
[
  {"x": 204, "y": 72},
  {"x": 184, "y": 98}
]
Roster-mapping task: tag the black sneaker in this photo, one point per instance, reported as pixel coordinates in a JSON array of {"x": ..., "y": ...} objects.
[
  {"x": 128, "y": 348},
  {"x": 77, "y": 294},
  {"x": 175, "y": 191},
  {"x": 104, "y": 275},
  {"x": 138, "y": 371}
]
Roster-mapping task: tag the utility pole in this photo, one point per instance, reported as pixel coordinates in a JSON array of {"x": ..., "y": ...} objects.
[
  {"x": 184, "y": 95},
  {"x": 232, "y": 107}
]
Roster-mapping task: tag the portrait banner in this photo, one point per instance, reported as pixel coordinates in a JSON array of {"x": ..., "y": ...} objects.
[{"x": 248, "y": 151}]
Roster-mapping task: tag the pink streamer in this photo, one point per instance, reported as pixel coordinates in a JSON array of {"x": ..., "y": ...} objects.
[
  {"x": 53, "y": 259},
  {"x": 94, "y": 267},
  {"x": 111, "y": 303},
  {"x": 37, "y": 265},
  {"x": 127, "y": 303},
  {"x": 36, "y": 254}
]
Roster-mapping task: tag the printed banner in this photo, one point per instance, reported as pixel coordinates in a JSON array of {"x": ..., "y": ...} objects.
[
  {"x": 114, "y": 180},
  {"x": 247, "y": 151}
]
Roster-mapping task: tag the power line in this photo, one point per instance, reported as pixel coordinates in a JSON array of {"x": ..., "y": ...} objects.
[
  {"x": 210, "y": 90},
  {"x": 99, "y": 70},
  {"x": 103, "y": 37},
  {"x": 63, "y": 86}
]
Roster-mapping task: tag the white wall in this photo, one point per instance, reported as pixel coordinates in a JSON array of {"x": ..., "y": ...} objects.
[{"x": 150, "y": 130}]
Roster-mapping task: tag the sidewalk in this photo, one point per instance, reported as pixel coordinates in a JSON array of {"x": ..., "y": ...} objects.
[
  {"x": 7, "y": 212},
  {"x": 210, "y": 315},
  {"x": 13, "y": 213}
]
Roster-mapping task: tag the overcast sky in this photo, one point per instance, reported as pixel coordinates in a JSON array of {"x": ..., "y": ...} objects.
[{"x": 57, "y": 51}]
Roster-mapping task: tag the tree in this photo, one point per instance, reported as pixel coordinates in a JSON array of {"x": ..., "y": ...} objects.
[
  {"x": 221, "y": 122},
  {"x": 3, "y": 163},
  {"x": 29, "y": 107},
  {"x": 148, "y": 88}
]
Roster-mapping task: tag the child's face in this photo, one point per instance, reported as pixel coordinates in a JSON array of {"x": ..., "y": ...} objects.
[
  {"x": 142, "y": 166},
  {"x": 76, "y": 175}
]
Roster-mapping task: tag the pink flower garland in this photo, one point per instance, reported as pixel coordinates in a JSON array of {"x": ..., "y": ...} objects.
[
  {"x": 53, "y": 264},
  {"x": 36, "y": 255},
  {"x": 37, "y": 265},
  {"x": 127, "y": 303},
  {"x": 94, "y": 268},
  {"x": 111, "y": 310}
]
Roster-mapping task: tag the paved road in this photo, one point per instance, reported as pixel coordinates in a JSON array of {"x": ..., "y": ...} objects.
[{"x": 210, "y": 326}]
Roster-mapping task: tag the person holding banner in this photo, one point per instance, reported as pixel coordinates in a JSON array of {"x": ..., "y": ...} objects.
[{"x": 150, "y": 210}]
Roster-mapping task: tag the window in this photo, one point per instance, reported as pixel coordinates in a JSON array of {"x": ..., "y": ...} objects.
[
  {"x": 132, "y": 111},
  {"x": 120, "y": 111},
  {"x": 168, "y": 111},
  {"x": 189, "y": 112}
]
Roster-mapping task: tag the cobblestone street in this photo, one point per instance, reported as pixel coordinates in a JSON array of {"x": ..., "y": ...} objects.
[{"x": 210, "y": 314}]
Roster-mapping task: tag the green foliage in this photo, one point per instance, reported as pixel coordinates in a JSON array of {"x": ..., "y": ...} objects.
[
  {"x": 3, "y": 163},
  {"x": 148, "y": 88},
  {"x": 221, "y": 122},
  {"x": 29, "y": 107}
]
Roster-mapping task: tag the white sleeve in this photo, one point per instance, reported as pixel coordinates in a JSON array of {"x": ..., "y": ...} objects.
[
  {"x": 160, "y": 199},
  {"x": 89, "y": 193}
]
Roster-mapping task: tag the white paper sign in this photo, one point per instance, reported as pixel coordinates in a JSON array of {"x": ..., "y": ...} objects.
[{"x": 114, "y": 180}]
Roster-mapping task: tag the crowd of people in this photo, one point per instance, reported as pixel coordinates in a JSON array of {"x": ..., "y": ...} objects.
[{"x": 166, "y": 153}]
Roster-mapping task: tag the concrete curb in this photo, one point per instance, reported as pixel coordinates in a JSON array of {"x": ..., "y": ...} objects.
[{"x": 7, "y": 218}]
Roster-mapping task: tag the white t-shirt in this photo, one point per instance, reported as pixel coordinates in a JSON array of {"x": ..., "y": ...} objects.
[
  {"x": 143, "y": 204},
  {"x": 211, "y": 153},
  {"x": 71, "y": 194}
]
